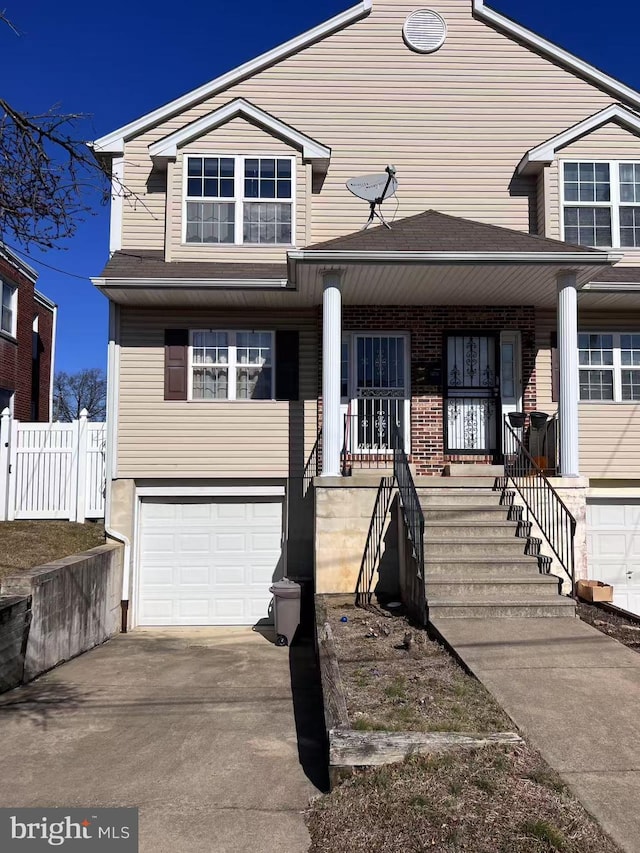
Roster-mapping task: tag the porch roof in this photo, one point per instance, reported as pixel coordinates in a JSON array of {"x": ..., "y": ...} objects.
[
  {"x": 428, "y": 259},
  {"x": 433, "y": 231},
  {"x": 437, "y": 259}
]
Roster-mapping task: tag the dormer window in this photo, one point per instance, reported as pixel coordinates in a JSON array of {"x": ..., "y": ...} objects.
[
  {"x": 601, "y": 204},
  {"x": 239, "y": 200}
]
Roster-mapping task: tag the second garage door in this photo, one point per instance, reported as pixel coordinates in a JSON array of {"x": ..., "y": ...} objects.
[
  {"x": 613, "y": 543},
  {"x": 208, "y": 562}
]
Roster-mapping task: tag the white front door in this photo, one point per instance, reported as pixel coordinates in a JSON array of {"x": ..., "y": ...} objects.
[
  {"x": 510, "y": 373},
  {"x": 208, "y": 561},
  {"x": 613, "y": 548}
]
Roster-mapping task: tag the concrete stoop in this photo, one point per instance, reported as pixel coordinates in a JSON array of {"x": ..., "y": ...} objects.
[{"x": 475, "y": 561}]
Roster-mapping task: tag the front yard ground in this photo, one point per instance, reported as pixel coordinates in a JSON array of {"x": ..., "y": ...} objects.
[
  {"x": 494, "y": 799},
  {"x": 615, "y": 625},
  {"x": 25, "y": 544},
  {"x": 397, "y": 679},
  {"x": 490, "y": 800}
]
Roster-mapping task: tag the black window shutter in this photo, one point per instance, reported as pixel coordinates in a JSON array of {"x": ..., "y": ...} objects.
[
  {"x": 176, "y": 348},
  {"x": 555, "y": 368},
  {"x": 287, "y": 365}
]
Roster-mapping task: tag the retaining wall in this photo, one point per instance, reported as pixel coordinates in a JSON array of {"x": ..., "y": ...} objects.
[{"x": 74, "y": 606}]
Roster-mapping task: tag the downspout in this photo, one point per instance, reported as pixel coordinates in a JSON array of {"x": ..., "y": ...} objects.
[
  {"x": 112, "y": 402},
  {"x": 52, "y": 373}
]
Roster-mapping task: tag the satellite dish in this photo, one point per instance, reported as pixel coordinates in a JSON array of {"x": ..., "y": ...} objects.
[{"x": 375, "y": 189}]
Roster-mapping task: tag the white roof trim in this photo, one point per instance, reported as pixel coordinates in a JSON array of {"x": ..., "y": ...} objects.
[
  {"x": 167, "y": 148},
  {"x": 113, "y": 143},
  {"x": 545, "y": 153},
  {"x": 613, "y": 286},
  {"x": 199, "y": 283},
  {"x": 44, "y": 300},
  {"x": 18, "y": 263},
  {"x": 558, "y": 54},
  {"x": 346, "y": 256}
]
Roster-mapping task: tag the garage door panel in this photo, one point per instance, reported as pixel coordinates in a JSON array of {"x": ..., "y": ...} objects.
[
  {"x": 613, "y": 547},
  {"x": 208, "y": 562}
]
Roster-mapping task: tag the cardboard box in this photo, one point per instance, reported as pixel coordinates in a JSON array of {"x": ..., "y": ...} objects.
[{"x": 594, "y": 591}]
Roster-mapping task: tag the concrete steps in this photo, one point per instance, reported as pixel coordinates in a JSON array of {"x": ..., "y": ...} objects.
[
  {"x": 493, "y": 589},
  {"x": 529, "y": 609},
  {"x": 475, "y": 563},
  {"x": 461, "y": 568}
]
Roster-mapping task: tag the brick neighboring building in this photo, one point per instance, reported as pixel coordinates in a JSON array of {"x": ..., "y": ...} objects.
[{"x": 27, "y": 341}]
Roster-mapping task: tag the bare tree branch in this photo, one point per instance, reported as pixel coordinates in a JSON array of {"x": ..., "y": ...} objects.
[{"x": 86, "y": 389}]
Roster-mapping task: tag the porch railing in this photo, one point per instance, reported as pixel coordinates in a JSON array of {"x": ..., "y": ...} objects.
[
  {"x": 367, "y": 438},
  {"x": 411, "y": 508},
  {"x": 542, "y": 502},
  {"x": 373, "y": 548},
  {"x": 313, "y": 465}
]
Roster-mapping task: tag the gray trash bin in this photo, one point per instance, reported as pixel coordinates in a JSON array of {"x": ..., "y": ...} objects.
[{"x": 286, "y": 609}]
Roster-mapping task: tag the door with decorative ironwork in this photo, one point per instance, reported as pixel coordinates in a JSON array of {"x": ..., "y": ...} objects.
[
  {"x": 381, "y": 387},
  {"x": 472, "y": 394}
]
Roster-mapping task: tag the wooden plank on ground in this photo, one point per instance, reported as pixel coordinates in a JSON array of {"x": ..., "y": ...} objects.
[{"x": 349, "y": 748}]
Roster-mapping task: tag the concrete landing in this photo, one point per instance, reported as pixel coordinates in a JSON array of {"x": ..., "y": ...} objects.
[
  {"x": 574, "y": 693},
  {"x": 215, "y": 734}
]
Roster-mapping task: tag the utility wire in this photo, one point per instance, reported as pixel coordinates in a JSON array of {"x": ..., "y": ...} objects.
[{"x": 44, "y": 264}]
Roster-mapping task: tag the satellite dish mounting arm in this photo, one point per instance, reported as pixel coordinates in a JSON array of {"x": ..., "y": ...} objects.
[{"x": 377, "y": 202}]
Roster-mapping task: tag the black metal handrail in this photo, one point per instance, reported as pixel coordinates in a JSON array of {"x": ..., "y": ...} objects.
[
  {"x": 312, "y": 468},
  {"x": 370, "y": 450},
  {"x": 542, "y": 502},
  {"x": 409, "y": 500},
  {"x": 373, "y": 548}
]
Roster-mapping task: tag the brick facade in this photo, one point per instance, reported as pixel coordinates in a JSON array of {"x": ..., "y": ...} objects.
[
  {"x": 427, "y": 327},
  {"x": 30, "y": 385}
]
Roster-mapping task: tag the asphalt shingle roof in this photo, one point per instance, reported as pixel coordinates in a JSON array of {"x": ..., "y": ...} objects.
[
  {"x": 433, "y": 231},
  {"x": 146, "y": 263}
]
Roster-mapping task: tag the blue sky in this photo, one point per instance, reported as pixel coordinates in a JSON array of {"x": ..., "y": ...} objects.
[{"x": 115, "y": 63}]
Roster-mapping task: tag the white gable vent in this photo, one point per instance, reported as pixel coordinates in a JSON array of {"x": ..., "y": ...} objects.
[{"x": 424, "y": 31}]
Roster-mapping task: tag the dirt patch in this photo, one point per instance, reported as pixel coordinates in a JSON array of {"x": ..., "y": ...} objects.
[
  {"x": 397, "y": 679},
  {"x": 25, "y": 544},
  {"x": 491, "y": 800},
  {"x": 614, "y": 625}
]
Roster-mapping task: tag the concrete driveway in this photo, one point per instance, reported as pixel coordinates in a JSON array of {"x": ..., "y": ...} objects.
[{"x": 213, "y": 733}]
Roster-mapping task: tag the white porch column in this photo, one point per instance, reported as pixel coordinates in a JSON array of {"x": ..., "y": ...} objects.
[
  {"x": 568, "y": 357},
  {"x": 332, "y": 427}
]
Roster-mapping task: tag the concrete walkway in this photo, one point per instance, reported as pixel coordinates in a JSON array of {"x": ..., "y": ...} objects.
[
  {"x": 199, "y": 728},
  {"x": 574, "y": 693}
]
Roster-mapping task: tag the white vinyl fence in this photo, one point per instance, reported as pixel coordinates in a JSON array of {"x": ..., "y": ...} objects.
[{"x": 52, "y": 470}]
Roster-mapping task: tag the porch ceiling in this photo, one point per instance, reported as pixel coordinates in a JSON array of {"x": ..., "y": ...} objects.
[{"x": 370, "y": 283}]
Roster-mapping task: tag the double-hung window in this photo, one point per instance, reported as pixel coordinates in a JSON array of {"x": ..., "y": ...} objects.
[
  {"x": 601, "y": 203},
  {"x": 231, "y": 365},
  {"x": 8, "y": 309},
  {"x": 239, "y": 200},
  {"x": 609, "y": 366}
]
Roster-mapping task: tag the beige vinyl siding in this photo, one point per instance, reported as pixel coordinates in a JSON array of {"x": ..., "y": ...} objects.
[
  {"x": 455, "y": 123},
  {"x": 159, "y": 438},
  {"x": 610, "y": 440},
  {"x": 541, "y": 202},
  {"x": 609, "y": 432},
  {"x": 610, "y": 142},
  {"x": 237, "y": 136},
  {"x": 545, "y": 326}
]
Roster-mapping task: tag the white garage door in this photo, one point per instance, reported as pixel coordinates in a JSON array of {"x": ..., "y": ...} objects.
[
  {"x": 613, "y": 543},
  {"x": 208, "y": 562}
]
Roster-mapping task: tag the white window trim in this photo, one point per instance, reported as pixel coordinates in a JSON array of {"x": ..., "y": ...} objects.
[
  {"x": 13, "y": 308},
  {"x": 232, "y": 367},
  {"x": 238, "y": 198},
  {"x": 617, "y": 367},
  {"x": 613, "y": 204}
]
